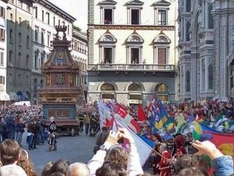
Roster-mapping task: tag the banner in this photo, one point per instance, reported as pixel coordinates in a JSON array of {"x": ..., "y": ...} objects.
[
  {"x": 143, "y": 149},
  {"x": 224, "y": 142}
]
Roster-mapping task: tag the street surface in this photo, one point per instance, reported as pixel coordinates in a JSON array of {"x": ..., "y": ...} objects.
[{"x": 73, "y": 148}]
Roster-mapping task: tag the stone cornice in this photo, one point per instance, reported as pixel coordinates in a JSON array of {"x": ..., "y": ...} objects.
[{"x": 131, "y": 27}]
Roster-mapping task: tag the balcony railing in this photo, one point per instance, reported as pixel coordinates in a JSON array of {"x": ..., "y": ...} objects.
[{"x": 131, "y": 67}]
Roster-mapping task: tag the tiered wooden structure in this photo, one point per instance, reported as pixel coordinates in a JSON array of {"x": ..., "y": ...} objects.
[{"x": 60, "y": 94}]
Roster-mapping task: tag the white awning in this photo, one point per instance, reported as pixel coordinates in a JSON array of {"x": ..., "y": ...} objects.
[
  {"x": 13, "y": 96},
  {"x": 4, "y": 96}
]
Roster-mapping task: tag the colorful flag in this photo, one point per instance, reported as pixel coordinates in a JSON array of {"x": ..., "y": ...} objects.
[
  {"x": 143, "y": 149},
  {"x": 158, "y": 113},
  {"x": 141, "y": 113},
  {"x": 224, "y": 142}
]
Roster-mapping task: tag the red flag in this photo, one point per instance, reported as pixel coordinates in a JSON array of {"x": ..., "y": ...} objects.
[
  {"x": 141, "y": 113},
  {"x": 126, "y": 118},
  {"x": 224, "y": 142}
]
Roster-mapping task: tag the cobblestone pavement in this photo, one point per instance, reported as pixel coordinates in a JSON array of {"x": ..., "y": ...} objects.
[{"x": 73, "y": 148}]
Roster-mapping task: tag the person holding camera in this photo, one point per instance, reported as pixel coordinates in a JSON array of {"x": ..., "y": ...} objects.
[{"x": 131, "y": 158}]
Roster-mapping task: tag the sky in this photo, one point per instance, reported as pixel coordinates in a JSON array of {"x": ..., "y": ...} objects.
[{"x": 77, "y": 9}]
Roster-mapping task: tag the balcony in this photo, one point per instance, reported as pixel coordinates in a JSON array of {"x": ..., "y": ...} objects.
[{"x": 132, "y": 67}]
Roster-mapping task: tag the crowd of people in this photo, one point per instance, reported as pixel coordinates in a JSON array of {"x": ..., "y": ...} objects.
[{"x": 176, "y": 155}]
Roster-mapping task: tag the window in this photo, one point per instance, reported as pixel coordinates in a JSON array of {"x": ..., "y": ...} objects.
[
  {"x": 28, "y": 42},
  {"x": 20, "y": 39},
  {"x": 135, "y": 59},
  {"x": 19, "y": 59},
  {"x": 107, "y": 48},
  {"x": 188, "y": 5},
  {"x": 27, "y": 61},
  {"x": 2, "y": 80},
  {"x": 187, "y": 81},
  {"x": 48, "y": 38},
  {"x": 42, "y": 58},
  {"x": 2, "y": 35},
  {"x": 63, "y": 23},
  {"x": 162, "y": 56},
  {"x": 36, "y": 34},
  {"x": 36, "y": 59},
  {"x": 35, "y": 12},
  {"x": 162, "y": 91},
  {"x": 210, "y": 17},
  {"x": 187, "y": 31},
  {"x": 28, "y": 25},
  {"x": 161, "y": 50},
  {"x": 107, "y": 55},
  {"x": 107, "y": 11},
  {"x": 162, "y": 17},
  {"x": 58, "y": 22},
  {"x": 42, "y": 15},
  {"x": 2, "y": 12},
  {"x": 134, "y": 11},
  {"x": 11, "y": 36},
  {"x": 48, "y": 17},
  {"x": 1, "y": 58},
  {"x": 68, "y": 29},
  {"x": 28, "y": 8},
  {"x": 107, "y": 16},
  {"x": 11, "y": 16},
  {"x": 210, "y": 77},
  {"x": 42, "y": 37},
  {"x": 10, "y": 57},
  {"x": 135, "y": 16}
]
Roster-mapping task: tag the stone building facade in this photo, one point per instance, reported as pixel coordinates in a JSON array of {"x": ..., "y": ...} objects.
[
  {"x": 132, "y": 50},
  {"x": 206, "y": 49}
]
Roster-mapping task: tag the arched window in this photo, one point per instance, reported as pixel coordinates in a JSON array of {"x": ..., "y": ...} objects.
[
  {"x": 162, "y": 91},
  {"x": 134, "y": 49},
  {"x": 187, "y": 31},
  {"x": 210, "y": 17},
  {"x": 161, "y": 49},
  {"x": 187, "y": 81},
  {"x": 11, "y": 36},
  {"x": 188, "y": 5},
  {"x": 210, "y": 77},
  {"x": 28, "y": 42},
  {"x": 20, "y": 38},
  {"x": 107, "y": 48},
  {"x": 41, "y": 83},
  {"x": 108, "y": 91},
  {"x": 19, "y": 59},
  {"x": 10, "y": 56},
  {"x": 135, "y": 87}
]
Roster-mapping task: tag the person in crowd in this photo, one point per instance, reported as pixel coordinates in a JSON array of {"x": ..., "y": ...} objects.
[
  {"x": 191, "y": 171},
  {"x": 179, "y": 141},
  {"x": 52, "y": 137},
  {"x": 111, "y": 169},
  {"x": 222, "y": 164},
  {"x": 86, "y": 123},
  {"x": 60, "y": 166},
  {"x": 4, "y": 129},
  {"x": 19, "y": 128},
  {"x": 133, "y": 161},
  {"x": 78, "y": 169},
  {"x": 26, "y": 163},
  {"x": 101, "y": 138},
  {"x": 41, "y": 130},
  {"x": 12, "y": 170},
  {"x": 93, "y": 125},
  {"x": 30, "y": 134},
  {"x": 166, "y": 157},
  {"x": 156, "y": 158},
  {"x": 81, "y": 122},
  {"x": 186, "y": 161},
  {"x": 10, "y": 121},
  {"x": 9, "y": 152},
  {"x": 46, "y": 169}
]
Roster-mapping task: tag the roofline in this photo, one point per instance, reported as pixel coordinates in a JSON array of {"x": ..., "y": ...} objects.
[{"x": 56, "y": 9}]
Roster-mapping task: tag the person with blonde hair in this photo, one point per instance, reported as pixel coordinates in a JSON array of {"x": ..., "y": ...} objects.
[
  {"x": 78, "y": 169},
  {"x": 26, "y": 163}
]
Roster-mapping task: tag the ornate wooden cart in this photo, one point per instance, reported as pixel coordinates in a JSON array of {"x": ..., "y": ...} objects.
[{"x": 60, "y": 94}]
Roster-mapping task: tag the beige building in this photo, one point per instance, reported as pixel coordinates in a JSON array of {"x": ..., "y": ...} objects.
[{"x": 132, "y": 50}]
